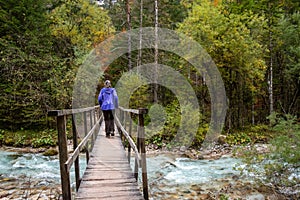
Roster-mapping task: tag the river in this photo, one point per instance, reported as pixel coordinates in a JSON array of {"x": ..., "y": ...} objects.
[{"x": 169, "y": 177}]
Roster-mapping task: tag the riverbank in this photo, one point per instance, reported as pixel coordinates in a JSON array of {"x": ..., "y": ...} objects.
[
  {"x": 28, "y": 188},
  {"x": 26, "y": 174}
]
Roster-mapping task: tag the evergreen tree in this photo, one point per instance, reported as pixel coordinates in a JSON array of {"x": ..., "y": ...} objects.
[
  {"x": 26, "y": 49},
  {"x": 42, "y": 45}
]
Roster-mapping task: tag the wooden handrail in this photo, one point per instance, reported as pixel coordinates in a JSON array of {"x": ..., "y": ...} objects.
[
  {"x": 131, "y": 142},
  {"x": 79, "y": 148},
  {"x": 67, "y": 161},
  {"x": 134, "y": 111},
  {"x": 65, "y": 112},
  {"x": 140, "y": 150},
  {"x": 64, "y": 159}
]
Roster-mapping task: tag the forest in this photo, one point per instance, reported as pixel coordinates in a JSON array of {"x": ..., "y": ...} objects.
[{"x": 255, "y": 45}]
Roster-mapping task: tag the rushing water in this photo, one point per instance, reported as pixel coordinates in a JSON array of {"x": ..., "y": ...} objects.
[
  {"x": 187, "y": 171},
  {"x": 168, "y": 176},
  {"x": 179, "y": 170},
  {"x": 165, "y": 173},
  {"x": 35, "y": 166},
  {"x": 182, "y": 171},
  {"x": 180, "y": 178}
]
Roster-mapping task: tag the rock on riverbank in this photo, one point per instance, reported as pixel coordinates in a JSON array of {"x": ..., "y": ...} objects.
[{"x": 28, "y": 188}]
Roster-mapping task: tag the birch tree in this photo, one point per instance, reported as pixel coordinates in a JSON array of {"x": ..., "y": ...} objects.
[
  {"x": 155, "y": 97},
  {"x": 128, "y": 9}
]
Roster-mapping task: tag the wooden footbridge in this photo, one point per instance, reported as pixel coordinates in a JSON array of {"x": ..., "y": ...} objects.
[{"x": 108, "y": 174}]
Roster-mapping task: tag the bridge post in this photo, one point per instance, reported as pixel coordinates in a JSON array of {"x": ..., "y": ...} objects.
[
  {"x": 142, "y": 148},
  {"x": 85, "y": 134},
  {"x": 121, "y": 120},
  {"x": 75, "y": 144},
  {"x": 91, "y": 119},
  {"x": 91, "y": 125},
  {"x": 130, "y": 134},
  {"x": 138, "y": 145},
  {"x": 63, "y": 157}
]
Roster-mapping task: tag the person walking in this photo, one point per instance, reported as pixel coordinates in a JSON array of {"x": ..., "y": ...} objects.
[{"x": 108, "y": 101}]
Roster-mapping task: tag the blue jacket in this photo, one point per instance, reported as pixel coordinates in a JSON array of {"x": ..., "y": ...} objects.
[{"x": 108, "y": 99}]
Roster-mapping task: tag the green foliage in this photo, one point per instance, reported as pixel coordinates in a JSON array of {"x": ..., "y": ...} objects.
[
  {"x": 77, "y": 27},
  {"x": 171, "y": 124},
  {"x": 289, "y": 52},
  {"x": 43, "y": 43},
  {"x": 42, "y": 142},
  {"x": 200, "y": 136},
  {"x": 41, "y": 46},
  {"x": 287, "y": 143},
  {"x": 250, "y": 135},
  {"x": 81, "y": 24},
  {"x": 233, "y": 42},
  {"x": 134, "y": 91},
  {"x": 25, "y": 49},
  {"x": 223, "y": 197},
  {"x": 238, "y": 138},
  {"x": 279, "y": 164},
  {"x": 1, "y": 136},
  {"x": 27, "y": 138},
  {"x": 281, "y": 37},
  {"x": 175, "y": 131},
  {"x": 171, "y": 12}
]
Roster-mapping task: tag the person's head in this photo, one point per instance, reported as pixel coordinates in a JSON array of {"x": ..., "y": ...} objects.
[{"x": 107, "y": 84}]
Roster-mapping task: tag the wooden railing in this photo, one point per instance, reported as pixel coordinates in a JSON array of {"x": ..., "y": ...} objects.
[
  {"x": 87, "y": 143},
  {"x": 139, "y": 149}
]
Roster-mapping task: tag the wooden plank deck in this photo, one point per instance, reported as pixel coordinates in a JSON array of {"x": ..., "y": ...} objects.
[{"x": 108, "y": 174}]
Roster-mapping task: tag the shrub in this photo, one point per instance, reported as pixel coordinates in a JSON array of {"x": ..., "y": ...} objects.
[
  {"x": 281, "y": 163},
  {"x": 23, "y": 138},
  {"x": 177, "y": 131},
  {"x": 250, "y": 135},
  {"x": 44, "y": 141}
]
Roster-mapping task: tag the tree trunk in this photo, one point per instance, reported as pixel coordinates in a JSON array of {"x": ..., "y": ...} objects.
[
  {"x": 271, "y": 77},
  {"x": 139, "y": 60},
  {"x": 155, "y": 96},
  {"x": 253, "y": 107},
  {"x": 270, "y": 81},
  {"x": 129, "y": 35}
]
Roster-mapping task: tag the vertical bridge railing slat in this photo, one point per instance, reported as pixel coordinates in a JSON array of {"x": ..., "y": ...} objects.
[
  {"x": 75, "y": 144},
  {"x": 63, "y": 156},
  {"x": 141, "y": 135},
  {"x": 85, "y": 133},
  {"x": 130, "y": 134}
]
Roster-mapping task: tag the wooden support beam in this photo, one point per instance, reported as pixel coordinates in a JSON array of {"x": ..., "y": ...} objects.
[
  {"x": 75, "y": 144},
  {"x": 63, "y": 157},
  {"x": 143, "y": 153}
]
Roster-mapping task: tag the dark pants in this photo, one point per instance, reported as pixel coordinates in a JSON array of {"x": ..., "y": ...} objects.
[{"x": 109, "y": 121}]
